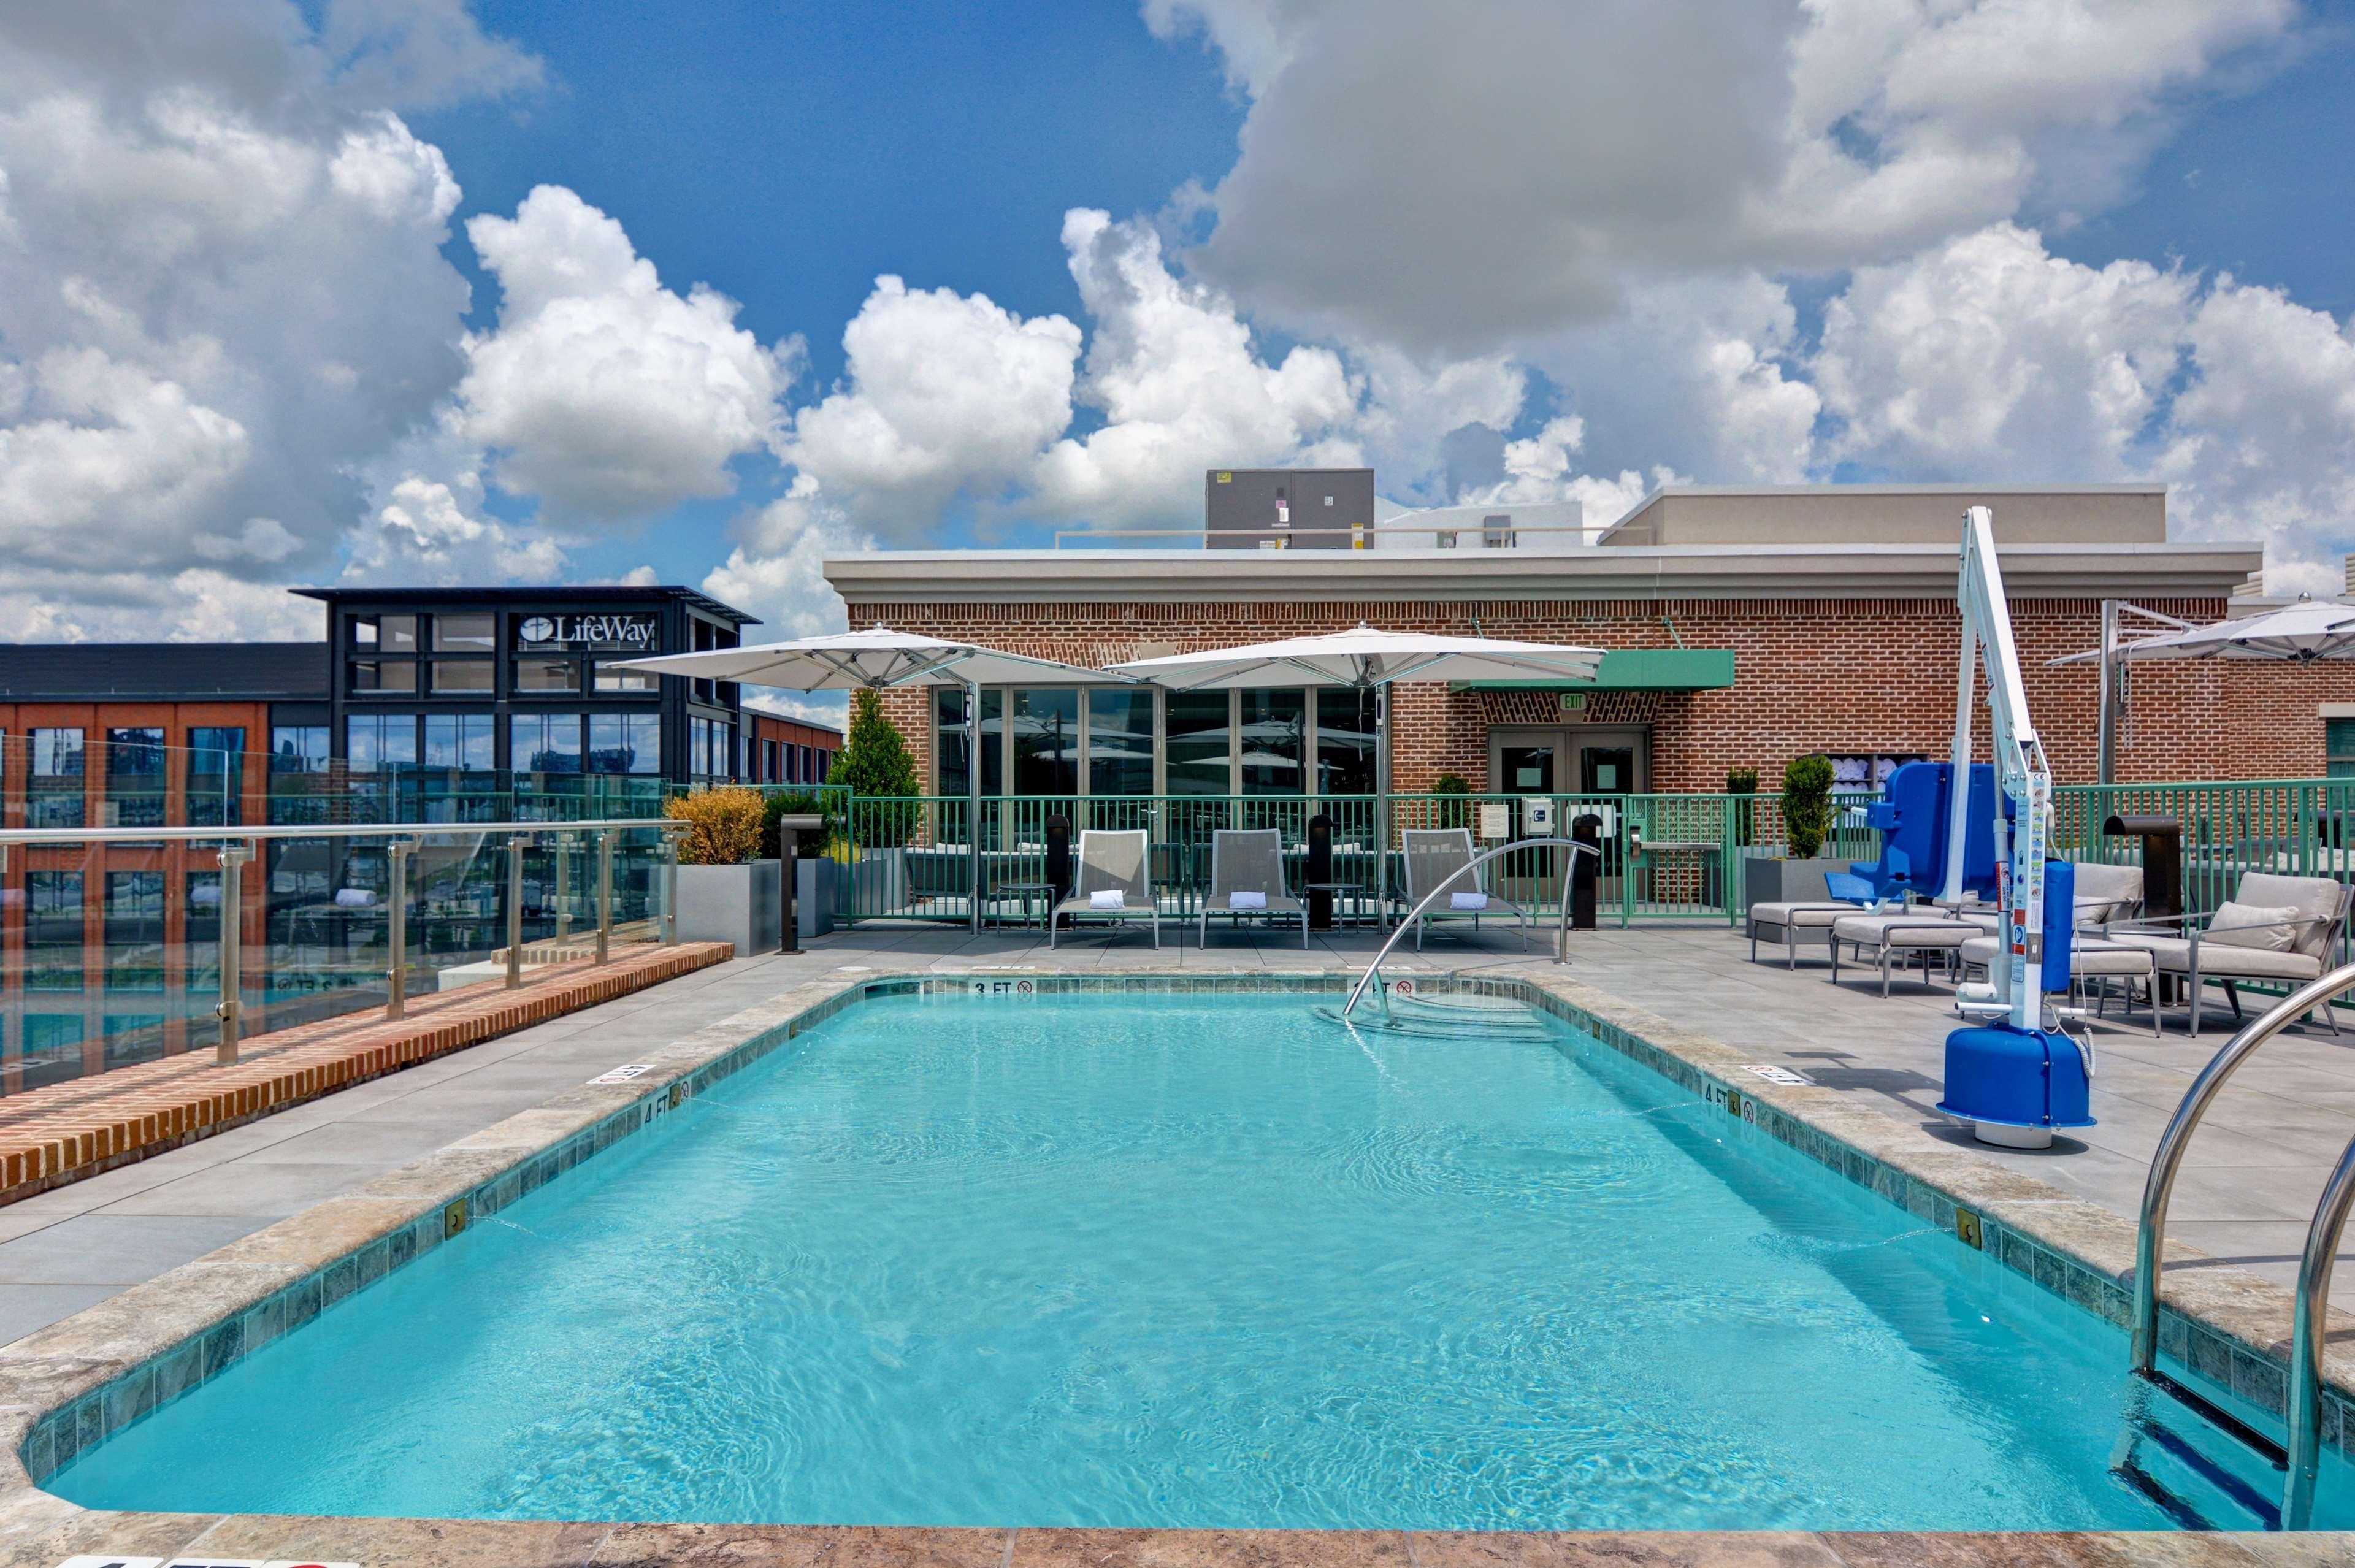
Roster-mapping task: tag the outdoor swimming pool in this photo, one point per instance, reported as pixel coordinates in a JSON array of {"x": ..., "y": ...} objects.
[{"x": 1175, "y": 1259}]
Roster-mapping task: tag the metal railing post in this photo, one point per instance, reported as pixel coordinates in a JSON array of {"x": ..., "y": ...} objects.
[
  {"x": 517, "y": 844},
  {"x": 604, "y": 895},
  {"x": 234, "y": 857},
  {"x": 672, "y": 832},
  {"x": 2304, "y": 1459},
  {"x": 560, "y": 845},
  {"x": 396, "y": 930}
]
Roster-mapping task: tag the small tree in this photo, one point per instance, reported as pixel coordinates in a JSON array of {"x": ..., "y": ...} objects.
[
  {"x": 1449, "y": 813},
  {"x": 1808, "y": 805},
  {"x": 1743, "y": 783},
  {"x": 875, "y": 766}
]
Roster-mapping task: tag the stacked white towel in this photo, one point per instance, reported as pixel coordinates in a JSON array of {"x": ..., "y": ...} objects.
[
  {"x": 1247, "y": 901},
  {"x": 1107, "y": 898},
  {"x": 1474, "y": 901}
]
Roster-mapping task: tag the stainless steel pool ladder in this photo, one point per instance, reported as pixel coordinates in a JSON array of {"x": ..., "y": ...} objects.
[
  {"x": 1562, "y": 939},
  {"x": 2300, "y": 1459}
]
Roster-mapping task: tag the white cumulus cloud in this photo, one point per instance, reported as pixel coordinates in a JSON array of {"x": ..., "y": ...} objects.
[{"x": 601, "y": 391}]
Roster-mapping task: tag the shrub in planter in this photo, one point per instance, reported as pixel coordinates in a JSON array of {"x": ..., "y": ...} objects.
[
  {"x": 1743, "y": 782},
  {"x": 796, "y": 803},
  {"x": 1450, "y": 813},
  {"x": 874, "y": 763},
  {"x": 723, "y": 825},
  {"x": 1808, "y": 805}
]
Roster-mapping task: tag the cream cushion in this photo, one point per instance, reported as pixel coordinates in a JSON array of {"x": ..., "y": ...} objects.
[
  {"x": 2084, "y": 958},
  {"x": 1903, "y": 931},
  {"x": 2221, "y": 961},
  {"x": 2248, "y": 925}
]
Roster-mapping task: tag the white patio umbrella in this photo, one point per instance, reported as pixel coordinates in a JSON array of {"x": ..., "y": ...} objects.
[
  {"x": 1368, "y": 659},
  {"x": 880, "y": 658},
  {"x": 2308, "y": 630}
]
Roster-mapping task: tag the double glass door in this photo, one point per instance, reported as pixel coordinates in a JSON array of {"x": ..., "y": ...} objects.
[{"x": 1571, "y": 762}]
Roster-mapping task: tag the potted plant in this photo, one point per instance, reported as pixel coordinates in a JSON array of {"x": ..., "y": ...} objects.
[
  {"x": 1796, "y": 875},
  {"x": 874, "y": 763},
  {"x": 726, "y": 892},
  {"x": 1450, "y": 813}
]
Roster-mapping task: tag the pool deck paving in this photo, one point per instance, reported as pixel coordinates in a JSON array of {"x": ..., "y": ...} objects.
[{"x": 2247, "y": 1186}]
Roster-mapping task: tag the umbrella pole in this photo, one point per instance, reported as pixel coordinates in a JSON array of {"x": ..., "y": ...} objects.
[
  {"x": 2106, "y": 762},
  {"x": 973, "y": 798}
]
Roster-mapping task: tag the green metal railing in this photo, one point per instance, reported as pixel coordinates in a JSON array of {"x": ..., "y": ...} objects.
[{"x": 1665, "y": 857}]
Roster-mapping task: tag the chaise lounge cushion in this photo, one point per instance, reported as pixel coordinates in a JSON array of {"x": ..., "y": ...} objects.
[
  {"x": 1799, "y": 916},
  {"x": 2220, "y": 961},
  {"x": 1915, "y": 930},
  {"x": 2085, "y": 957}
]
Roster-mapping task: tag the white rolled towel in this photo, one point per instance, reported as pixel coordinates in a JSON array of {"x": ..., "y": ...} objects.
[
  {"x": 1247, "y": 901},
  {"x": 1107, "y": 898},
  {"x": 354, "y": 897},
  {"x": 1474, "y": 902}
]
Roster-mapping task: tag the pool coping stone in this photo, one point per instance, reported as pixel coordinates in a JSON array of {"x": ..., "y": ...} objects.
[{"x": 67, "y": 1386}]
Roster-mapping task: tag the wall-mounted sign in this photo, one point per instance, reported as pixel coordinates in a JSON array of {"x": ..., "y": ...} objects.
[
  {"x": 637, "y": 632},
  {"x": 1495, "y": 821}
]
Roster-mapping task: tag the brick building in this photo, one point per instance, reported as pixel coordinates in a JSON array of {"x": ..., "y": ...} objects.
[{"x": 1742, "y": 628}]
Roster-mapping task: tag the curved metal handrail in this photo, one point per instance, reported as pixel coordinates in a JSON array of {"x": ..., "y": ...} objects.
[
  {"x": 1475, "y": 863},
  {"x": 2305, "y": 1457},
  {"x": 2151, "y": 1240}
]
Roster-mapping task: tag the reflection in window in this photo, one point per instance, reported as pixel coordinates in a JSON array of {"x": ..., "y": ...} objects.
[
  {"x": 298, "y": 749},
  {"x": 461, "y": 633},
  {"x": 54, "y": 790},
  {"x": 52, "y": 1048},
  {"x": 547, "y": 673},
  {"x": 1273, "y": 726},
  {"x": 200, "y": 932},
  {"x": 375, "y": 675},
  {"x": 612, "y": 679},
  {"x": 625, "y": 743},
  {"x": 466, "y": 742},
  {"x": 386, "y": 633},
  {"x": 135, "y": 776},
  {"x": 375, "y": 742},
  {"x": 954, "y": 754},
  {"x": 1120, "y": 740},
  {"x": 1046, "y": 725},
  {"x": 216, "y": 774},
  {"x": 53, "y": 931},
  {"x": 462, "y": 675},
  {"x": 1345, "y": 741},
  {"x": 135, "y": 930},
  {"x": 545, "y": 743},
  {"x": 1194, "y": 726}
]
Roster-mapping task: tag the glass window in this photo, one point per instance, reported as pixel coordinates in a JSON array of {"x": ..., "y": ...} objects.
[
  {"x": 384, "y": 674},
  {"x": 135, "y": 930},
  {"x": 1195, "y": 728},
  {"x": 53, "y": 793},
  {"x": 462, "y": 675},
  {"x": 135, "y": 776},
  {"x": 374, "y": 742},
  {"x": 216, "y": 774},
  {"x": 386, "y": 633},
  {"x": 53, "y": 931},
  {"x": 609, "y": 678},
  {"x": 1046, "y": 742},
  {"x": 948, "y": 710},
  {"x": 624, "y": 742},
  {"x": 132, "y": 1038},
  {"x": 544, "y": 742},
  {"x": 2339, "y": 747},
  {"x": 1273, "y": 724},
  {"x": 546, "y": 675},
  {"x": 1120, "y": 740},
  {"x": 298, "y": 749},
  {"x": 461, "y": 633},
  {"x": 1345, "y": 741},
  {"x": 466, "y": 742}
]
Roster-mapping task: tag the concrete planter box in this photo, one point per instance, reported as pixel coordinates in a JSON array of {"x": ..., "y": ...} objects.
[
  {"x": 878, "y": 883},
  {"x": 731, "y": 903},
  {"x": 1772, "y": 879}
]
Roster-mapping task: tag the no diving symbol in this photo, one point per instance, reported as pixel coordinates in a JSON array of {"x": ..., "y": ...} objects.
[
  {"x": 1402, "y": 988},
  {"x": 1024, "y": 987}
]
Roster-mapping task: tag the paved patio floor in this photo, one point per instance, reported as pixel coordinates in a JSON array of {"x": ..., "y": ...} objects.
[{"x": 2245, "y": 1194}]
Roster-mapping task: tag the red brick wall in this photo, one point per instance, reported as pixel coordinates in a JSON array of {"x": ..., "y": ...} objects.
[{"x": 1842, "y": 676}]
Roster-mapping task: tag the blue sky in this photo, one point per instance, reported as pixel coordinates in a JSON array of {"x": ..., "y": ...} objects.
[{"x": 358, "y": 290}]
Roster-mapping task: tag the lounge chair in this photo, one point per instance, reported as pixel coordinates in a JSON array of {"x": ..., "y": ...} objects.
[
  {"x": 2090, "y": 958},
  {"x": 1433, "y": 855},
  {"x": 1923, "y": 929},
  {"x": 2244, "y": 940},
  {"x": 1111, "y": 863},
  {"x": 1249, "y": 861}
]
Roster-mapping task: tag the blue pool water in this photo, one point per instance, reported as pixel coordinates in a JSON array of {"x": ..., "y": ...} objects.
[{"x": 1174, "y": 1262}]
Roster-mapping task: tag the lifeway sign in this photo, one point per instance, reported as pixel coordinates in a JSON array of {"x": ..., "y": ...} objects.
[{"x": 630, "y": 633}]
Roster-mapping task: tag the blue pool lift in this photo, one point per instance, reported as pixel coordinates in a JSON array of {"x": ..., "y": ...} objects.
[{"x": 2010, "y": 1076}]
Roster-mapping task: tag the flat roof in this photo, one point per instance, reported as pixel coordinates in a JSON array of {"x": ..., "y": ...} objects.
[
  {"x": 610, "y": 592},
  {"x": 251, "y": 672},
  {"x": 2199, "y": 569}
]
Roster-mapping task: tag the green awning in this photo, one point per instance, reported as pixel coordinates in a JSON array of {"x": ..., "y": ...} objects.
[{"x": 1637, "y": 669}]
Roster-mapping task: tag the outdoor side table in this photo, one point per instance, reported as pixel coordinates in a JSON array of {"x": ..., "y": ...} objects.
[
  {"x": 1042, "y": 892},
  {"x": 1353, "y": 892}
]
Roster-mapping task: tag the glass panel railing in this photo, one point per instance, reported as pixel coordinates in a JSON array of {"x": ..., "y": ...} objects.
[{"x": 112, "y": 949}]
